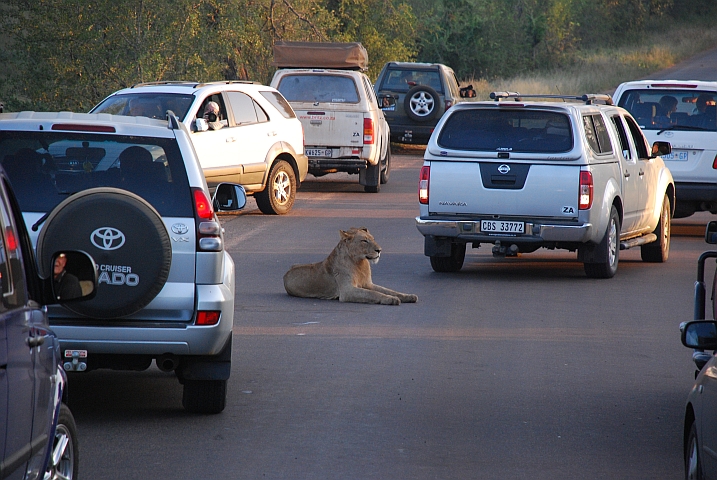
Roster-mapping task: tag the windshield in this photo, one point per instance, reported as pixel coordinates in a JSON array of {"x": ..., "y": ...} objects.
[
  {"x": 507, "y": 130},
  {"x": 657, "y": 109},
  {"x": 45, "y": 168},
  {"x": 152, "y": 105},
  {"x": 319, "y": 88}
]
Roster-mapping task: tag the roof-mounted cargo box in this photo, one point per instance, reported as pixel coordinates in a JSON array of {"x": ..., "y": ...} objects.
[{"x": 346, "y": 56}]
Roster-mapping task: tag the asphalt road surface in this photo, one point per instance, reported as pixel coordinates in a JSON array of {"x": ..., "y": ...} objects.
[{"x": 511, "y": 368}]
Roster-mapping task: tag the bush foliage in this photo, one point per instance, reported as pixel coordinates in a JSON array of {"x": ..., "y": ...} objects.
[{"x": 69, "y": 54}]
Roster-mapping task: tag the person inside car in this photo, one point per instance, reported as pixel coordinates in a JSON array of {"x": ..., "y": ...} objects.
[
  {"x": 212, "y": 116},
  {"x": 66, "y": 285}
]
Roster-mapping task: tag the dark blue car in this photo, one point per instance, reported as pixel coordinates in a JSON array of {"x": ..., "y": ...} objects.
[{"x": 38, "y": 436}]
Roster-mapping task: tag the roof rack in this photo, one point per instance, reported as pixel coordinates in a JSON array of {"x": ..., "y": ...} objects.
[
  {"x": 162, "y": 82},
  {"x": 193, "y": 84},
  {"x": 589, "y": 99},
  {"x": 228, "y": 82}
]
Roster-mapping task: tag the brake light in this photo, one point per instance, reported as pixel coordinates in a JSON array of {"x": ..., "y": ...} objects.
[
  {"x": 10, "y": 239},
  {"x": 209, "y": 231},
  {"x": 367, "y": 131},
  {"x": 84, "y": 128},
  {"x": 585, "y": 199},
  {"x": 673, "y": 85},
  {"x": 423, "y": 183},
  {"x": 714, "y": 163},
  {"x": 208, "y": 317}
]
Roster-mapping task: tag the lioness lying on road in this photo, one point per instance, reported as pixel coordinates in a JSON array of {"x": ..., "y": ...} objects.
[{"x": 345, "y": 274}]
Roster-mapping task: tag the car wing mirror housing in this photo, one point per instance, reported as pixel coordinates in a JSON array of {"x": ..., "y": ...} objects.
[
  {"x": 661, "y": 148},
  {"x": 701, "y": 334},
  {"x": 73, "y": 278},
  {"x": 229, "y": 197},
  {"x": 711, "y": 232}
]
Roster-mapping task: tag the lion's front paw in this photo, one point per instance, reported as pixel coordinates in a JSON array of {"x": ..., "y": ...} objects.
[
  {"x": 388, "y": 300},
  {"x": 409, "y": 298}
]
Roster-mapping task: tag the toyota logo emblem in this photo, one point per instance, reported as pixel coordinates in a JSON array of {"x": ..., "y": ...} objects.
[
  {"x": 503, "y": 169},
  {"x": 107, "y": 238},
  {"x": 180, "y": 228}
]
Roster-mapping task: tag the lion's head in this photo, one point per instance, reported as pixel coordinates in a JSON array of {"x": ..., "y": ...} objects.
[{"x": 360, "y": 244}]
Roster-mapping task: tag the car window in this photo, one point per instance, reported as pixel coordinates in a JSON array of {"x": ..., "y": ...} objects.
[
  {"x": 44, "y": 168},
  {"x": 278, "y": 101},
  {"x": 656, "y": 109},
  {"x": 404, "y": 79},
  {"x": 596, "y": 133},
  {"x": 319, "y": 88},
  {"x": 638, "y": 138},
  {"x": 154, "y": 105},
  {"x": 242, "y": 107},
  {"x": 490, "y": 129},
  {"x": 622, "y": 136}
]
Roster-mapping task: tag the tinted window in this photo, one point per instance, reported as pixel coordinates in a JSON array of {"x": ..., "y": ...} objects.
[
  {"x": 154, "y": 105},
  {"x": 403, "y": 80},
  {"x": 596, "y": 133},
  {"x": 510, "y": 130},
  {"x": 276, "y": 99},
  {"x": 319, "y": 88},
  {"x": 656, "y": 109},
  {"x": 44, "y": 168},
  {"x": 242, "y": 107}
]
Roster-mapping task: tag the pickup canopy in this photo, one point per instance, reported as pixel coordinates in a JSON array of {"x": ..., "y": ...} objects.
[{"x": 349, "y": 55}]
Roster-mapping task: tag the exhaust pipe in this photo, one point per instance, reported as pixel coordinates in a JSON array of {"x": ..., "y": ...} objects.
[{"x": 167, "y": 362}]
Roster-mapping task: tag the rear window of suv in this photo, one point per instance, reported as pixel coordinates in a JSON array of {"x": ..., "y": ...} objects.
[
  {"x": 507, "y": 130},
  {"x": 403, "y": 80},
  {"x": 47, "y": 167},
  {"x": 657, "y": 109},
  {"x": 319, "y": 88}
]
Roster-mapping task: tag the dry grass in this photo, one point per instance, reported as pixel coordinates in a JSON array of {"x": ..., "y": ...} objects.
[{"x": 602, "y": 70}]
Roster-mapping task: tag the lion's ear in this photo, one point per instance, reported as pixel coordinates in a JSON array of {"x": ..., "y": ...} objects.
[
  {"x": 344, "y": 234},
  {"x": 364, "y": 229}
]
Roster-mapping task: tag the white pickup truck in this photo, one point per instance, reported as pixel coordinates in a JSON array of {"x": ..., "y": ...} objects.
[
  {"x": 344, "y": 128},
  {"x": 575, "y": 173}
]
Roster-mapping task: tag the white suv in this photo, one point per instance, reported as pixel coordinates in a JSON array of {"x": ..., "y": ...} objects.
[
  {"x": 684, "y": 114},
  {"x": 130, "y": 192},
  {"x": 258, "y": 142}
]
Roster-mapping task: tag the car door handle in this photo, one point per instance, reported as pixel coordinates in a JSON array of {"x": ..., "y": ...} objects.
[
  {"x": 271, "y": 134},
  {"x": 642, "y": 173},
  {"x": 627, "y": 174},
  {"x": 231, "y": 139},
  {"x": 33, "y": 342}
]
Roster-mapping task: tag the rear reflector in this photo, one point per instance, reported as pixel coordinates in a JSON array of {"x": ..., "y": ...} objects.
[
  {"x": 208, "y": 317},
  {"x": 74, "y": 127}
]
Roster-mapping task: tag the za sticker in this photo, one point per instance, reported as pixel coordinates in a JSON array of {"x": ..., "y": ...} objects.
[{"x": 568, "y": 210}]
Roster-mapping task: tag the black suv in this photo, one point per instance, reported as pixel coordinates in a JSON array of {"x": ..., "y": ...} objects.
[{"x": 421, "y": 93}]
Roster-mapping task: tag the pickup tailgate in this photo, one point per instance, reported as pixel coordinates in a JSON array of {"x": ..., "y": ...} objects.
[
  {"x": 503, "y": 188},
  {"x": 329, "y": 125}
]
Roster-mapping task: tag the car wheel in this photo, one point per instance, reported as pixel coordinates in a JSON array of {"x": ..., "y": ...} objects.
[
  {"x": 118, "y": 228},
  {"x": 280, "y": 192},
  {"x": 386, "y": 172},
  {"x": 453, "y": 263},
  {"x": 693, "y": 460},
  {"x": 421, "y": 103},
  {"x": 204, "y": 396},
  {"x": 609, "y": 247},
  {"x": 64, "y": 457},
  {"x": 659, "y": 250}
]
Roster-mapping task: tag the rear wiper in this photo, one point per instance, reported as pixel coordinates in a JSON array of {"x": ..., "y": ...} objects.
[{"x": 37, "y": 224}]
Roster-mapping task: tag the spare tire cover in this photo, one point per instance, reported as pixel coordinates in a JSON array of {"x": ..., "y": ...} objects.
[{"x": 127, "y": 239}]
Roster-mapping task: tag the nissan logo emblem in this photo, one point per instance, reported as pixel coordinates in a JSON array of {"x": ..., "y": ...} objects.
[
  {"x": 107, "y": 238},
  {"x": 503, "y": 169}
]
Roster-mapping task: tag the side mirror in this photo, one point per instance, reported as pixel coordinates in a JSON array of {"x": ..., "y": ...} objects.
[
  {"x": 700, "y": 334},
  {"x": 74, "y": 277},
  {"x": 229, "y": 197},
  {"x": 201, "y": 125},
  {"x": 661, "y": 148},
  {"x": 387, "y": 102},
  {"x": 467, "y": 92},
  {"x": 711, "y": 233}
]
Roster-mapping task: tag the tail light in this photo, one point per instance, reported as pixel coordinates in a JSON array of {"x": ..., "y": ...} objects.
[
  {"x": 209, "y": 231},
  {"x": 423, "y": 183},
  {"x": 449, "y": 104},
  {"x": 585, "y": 198},
  {"x": 208, "y": 317},
  {"x": 367, "y": 131},
  {"x": 714, "y": 163}
]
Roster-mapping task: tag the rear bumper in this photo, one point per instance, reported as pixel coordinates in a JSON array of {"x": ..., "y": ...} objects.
[
  {"x": 469, "y": 231},
  {"x": 411, "y": 133},
  {"x": 696, "y": 192}
]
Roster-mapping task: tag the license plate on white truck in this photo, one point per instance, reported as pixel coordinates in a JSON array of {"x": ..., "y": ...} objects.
[
  {"x": 318, "y": 152},
  {"x": 500, "y": 226}
]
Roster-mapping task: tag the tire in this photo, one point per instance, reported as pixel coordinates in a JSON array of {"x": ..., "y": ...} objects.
[
  {"x": 693, "y": 458},
  {"x": 204, "y": 396},
  {"x": 450, "y": 264},
  {"x": 386, "y": 171},
  {"x": 64, "y": 457},
  {"x": 280, "y": 193},
  {"x": 659, "y": 250},
  {"x": 117, "y": 228},
  {"x": 609, "y": 246},
  {"x": 421, "y": 103}
]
